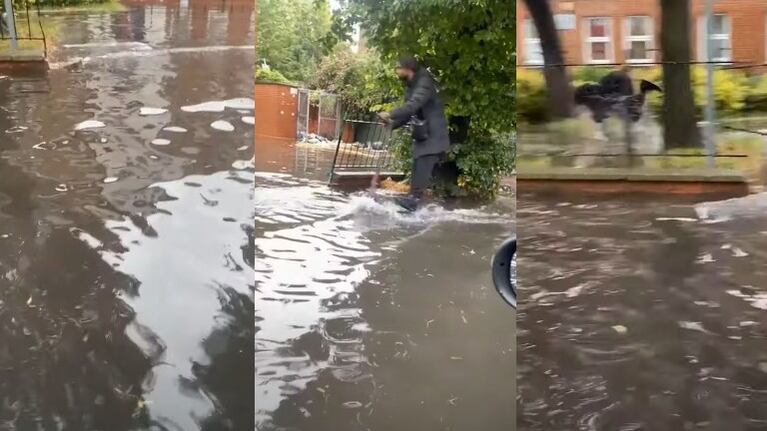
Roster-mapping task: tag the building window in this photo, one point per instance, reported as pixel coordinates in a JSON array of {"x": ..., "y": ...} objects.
[
  {"x": 533, "y": 51},
  {"x": 599, "y": 44},
  {"x": 639, "y": 39},
  {"x": 720, "y": 39}
]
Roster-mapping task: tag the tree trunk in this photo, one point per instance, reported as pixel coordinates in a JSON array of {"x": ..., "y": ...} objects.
[
  {"x": 557, "y": 82},
  {"x": 679, "y": 123}
]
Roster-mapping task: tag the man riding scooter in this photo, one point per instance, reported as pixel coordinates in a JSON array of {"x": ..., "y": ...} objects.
[{"x": 425, "y": 113}]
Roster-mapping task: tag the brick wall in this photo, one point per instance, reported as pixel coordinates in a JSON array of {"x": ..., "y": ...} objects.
[
  {"x": 276, "y": 108},
  {"x": 747, "y": 21}
]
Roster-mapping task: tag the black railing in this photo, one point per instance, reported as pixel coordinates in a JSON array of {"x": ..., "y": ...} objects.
[
  {"x": 13, "y": 28},
  {"x": 363, "y": 147}
]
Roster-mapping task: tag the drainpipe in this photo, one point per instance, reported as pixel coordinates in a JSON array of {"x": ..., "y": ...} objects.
[
  {"x": 10, "y": 24},
  {"x": 710, "y": 111}
]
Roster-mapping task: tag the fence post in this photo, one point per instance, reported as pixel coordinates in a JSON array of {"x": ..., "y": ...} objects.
[
  {"x": 710, "y": 134},
  {"x": 9, "y": 20}
]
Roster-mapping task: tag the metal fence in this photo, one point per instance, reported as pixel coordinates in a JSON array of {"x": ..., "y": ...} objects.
[
  {"x": 364, "y": 147},
  {"x": 21, "y": 22}
]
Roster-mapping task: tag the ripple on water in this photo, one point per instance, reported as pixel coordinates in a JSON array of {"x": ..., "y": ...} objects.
[{"x": 314, "y": 247}]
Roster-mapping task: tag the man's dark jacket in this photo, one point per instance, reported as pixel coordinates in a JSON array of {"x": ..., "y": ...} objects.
[{"x": 421, "y": 100}]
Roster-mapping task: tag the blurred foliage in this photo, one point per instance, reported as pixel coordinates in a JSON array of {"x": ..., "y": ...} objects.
[
  {"x": 735, "y": 92},
  {"x": 268, "y": 75}
]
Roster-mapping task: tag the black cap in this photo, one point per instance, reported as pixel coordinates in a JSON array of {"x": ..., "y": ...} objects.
[{"x": 408, "y": 62}]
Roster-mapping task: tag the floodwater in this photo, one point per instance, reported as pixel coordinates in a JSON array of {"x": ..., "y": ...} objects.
[
  {"x": 368, "y": 319},
  {"x": 126, "y": 266},
  {"x": 639, "y": 315}
]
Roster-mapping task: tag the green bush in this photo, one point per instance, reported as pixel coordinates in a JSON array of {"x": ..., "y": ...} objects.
[
  {"x": 364, "y": 82},
  {"x": 531, "y": 96},
  {"x": 484, "y": 159},
  {"x": 269, "y": 75}
]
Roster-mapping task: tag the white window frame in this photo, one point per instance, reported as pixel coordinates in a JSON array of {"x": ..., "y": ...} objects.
[
  {"x": 532, "y": 44},
  {"x": 588, "y": 40},
  {"x": 725, "y": 57},
  {"x": 649, "y": 39}
]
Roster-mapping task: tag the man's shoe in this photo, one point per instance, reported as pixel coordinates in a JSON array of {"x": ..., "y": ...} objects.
[{"x": 409, "y": 203}]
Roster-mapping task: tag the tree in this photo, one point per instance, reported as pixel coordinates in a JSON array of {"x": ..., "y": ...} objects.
[
  {"x": 469, "y": 46},
  {"x": 560, "y": 95},
  {"x": 294, "y": 35},
  {"x": 678, "y": 115}
]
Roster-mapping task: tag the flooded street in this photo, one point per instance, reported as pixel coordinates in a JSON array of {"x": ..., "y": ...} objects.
[
  {"x": 116, "y": 311},
  {"x": 368, "y": 319},
  {"x": 639, "y": 316}
]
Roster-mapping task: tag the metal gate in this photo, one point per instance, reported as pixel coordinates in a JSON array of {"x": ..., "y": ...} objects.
[
  {"x": 20, "y": 22},
  {"x": 329, "y": 116},
  {"x": 369, "y": 151},
  {"x": 302, "y": 116}
]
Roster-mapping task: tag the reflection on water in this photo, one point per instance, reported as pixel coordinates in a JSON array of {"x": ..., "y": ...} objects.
[
  {"x": 639, "y": 316},
  {"x": 371, "y": 319},
  {"x": 117, "y": 311}
]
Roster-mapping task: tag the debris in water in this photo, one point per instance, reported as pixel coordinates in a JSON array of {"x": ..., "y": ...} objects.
[
  {"x": 706, "y": 258},
  {"x": 61, "y": 188},
  {"x": 620, "y": 329},
  {"x": 429, "y": 322},
  {"x": 693, "y": 326},
  {"x": 151, "y": 111},
  {"x": 746, "y": 323},
  {"x": 352, "y": 404},
  {"x": 109, "y": 180},
  {"x": 160, "y": 141},
  {"x": 738, "y": 252},
  {"x": 175, "y": 129},
  {"x": 243, "y": 148},
  {"x": 16, "y": 129},
  {"x": 249, "y": 120},
  {"x": 89, "y": 124},
  {"x": 222, "y": 125}
]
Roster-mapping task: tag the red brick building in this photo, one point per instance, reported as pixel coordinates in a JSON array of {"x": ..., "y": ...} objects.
[{"x": 628, "y": 31}]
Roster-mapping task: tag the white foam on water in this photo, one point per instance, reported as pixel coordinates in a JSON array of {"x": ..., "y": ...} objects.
[
  {"x": 751, "y": 206},
  {"x": 248, "y": 120},
  {"x": 150, "y": 53},
  {"x": 366, "y": 205},
  {"x": 89, "y": 124},
  {"x": 109, "y": 180},
  {"x": 175, "y": 129},
  {"x": 133, "y": 45},
  {"x": 222, "y": 125},
  {"x": 146, "y": 111},
  {"x": 160, "y": 141},
  {"x": 239, "y": 103}
]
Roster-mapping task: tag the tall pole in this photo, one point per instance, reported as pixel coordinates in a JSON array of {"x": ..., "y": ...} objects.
[
  {"x": 10, "y": 24},
  {"x": 710, "y": 111}
]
